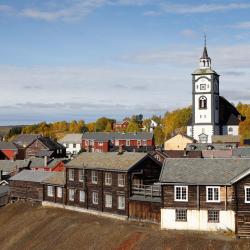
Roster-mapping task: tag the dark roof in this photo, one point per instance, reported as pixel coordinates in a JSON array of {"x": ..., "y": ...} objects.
[
  {"x": 8, "y": 145},
  {"x": 133, "y": 149},
  {"x": 39, "y": 162},
  {"x": 205, "y": 54},
  {"x": 104, "y": 136},
  {"x": 182, "y": 154},
  {"x": 4, "y": 190},
  {"x": 111, "y": 161},
  {"x": 204, "y": 171},
  {"x": 50, "y": 143},
  {"x": 229, "y": 115},
  {"x": 58, "y": 178},
  {"x": 43, "y": 153},
  {"x": 225, "y": 138},
  {"x": 10, "y": 166},
  {"x": 24, "y": 140}
]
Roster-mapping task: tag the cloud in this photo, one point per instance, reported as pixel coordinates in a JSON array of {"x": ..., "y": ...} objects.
[
  {"x": 242, "y": 25},
  {"x": 236, "y": 95},
  {"x": 233, "y": 73},
  {"x": 202, "y": 8},
  {"x": 152, "y": 13},
  {"x": 189, "y": 33}
]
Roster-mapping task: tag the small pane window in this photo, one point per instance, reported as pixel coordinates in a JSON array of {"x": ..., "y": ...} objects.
[
  {"x": 108, "y": 200},
  {"x": 71, "y": 174},
  {"x": 71, "y": 194},
  {"x": 213, "y": 194},
  {"x": 81, "y": 196},
  {"x": 108, "y": 179},
  {"x": 121, "y": 202},
  {"x": 81, "y": 175},
  {"x": 213, "y": 216},
  {"x": 59, "y": 192},
  {"x": 121, "y": 180},
  {"x": 95, "y": 198},
  {"x": 94, "y": 177},
  {"x": 181, "y": 214},
  {"x": 247, "y": 194},
  {"x": 74, "y": 145},
  {"x": 181, "y": 193},
  {"x": 50, "y": 191}
]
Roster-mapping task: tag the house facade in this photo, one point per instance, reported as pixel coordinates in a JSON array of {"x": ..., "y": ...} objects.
[
  {"x": 106, "y": 142},
  {"x": 178, "y": 142},
  {"x": 72, "y": 143},
  {"x": 206, "y": 194},
  {"x": 120, "y": 126},
  {"x": 8, "y": 151}
]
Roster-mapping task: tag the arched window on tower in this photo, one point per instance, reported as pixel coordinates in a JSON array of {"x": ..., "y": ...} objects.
[{"x": 202, "y": 102}]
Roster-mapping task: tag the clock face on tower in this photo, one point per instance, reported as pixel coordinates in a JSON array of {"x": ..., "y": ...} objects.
[{"x": 202, "y": 85}]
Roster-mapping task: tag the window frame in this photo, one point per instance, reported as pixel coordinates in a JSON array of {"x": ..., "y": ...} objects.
[
  {"x": 177, "y": 215},
  {"x": 123, "y": 180},
  {"x": 80, "y": 196},
  {"x": 81, "y": 174},
  {"x": 95, "y": 198},
  {"x": 108, "y": 203},
  {"x": 245, "y": 194},
  {"x": 50, "y": 191},
  {"x": 213, "y": 188},
  {"x": 209, "y": 220},
  {"x": 108, "y": 179},
  {"x": 202, "y": 99},
  {"x": 121, "y": 202},
  {"x": 61, "y": 192},
  {"x": 71, "y": 173},
  {"x": 181, "y": 193},
  {"x": 94, "y": 175},
  {"x": 71, "y": 195}
]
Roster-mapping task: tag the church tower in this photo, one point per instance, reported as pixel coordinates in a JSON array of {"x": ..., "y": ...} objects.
[{"x": 205, "y": 98}]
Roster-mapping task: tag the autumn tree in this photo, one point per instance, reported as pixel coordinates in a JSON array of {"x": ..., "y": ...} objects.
[
  {"x": 159, "y": 136},
  {"x": 133, "y": 127}
]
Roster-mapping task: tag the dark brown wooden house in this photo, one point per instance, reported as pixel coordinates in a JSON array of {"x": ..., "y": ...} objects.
[
  {"x": 206, "y": 194},
  {"x": 28, "y": 184},
  {"x": 106, "y": 181}
]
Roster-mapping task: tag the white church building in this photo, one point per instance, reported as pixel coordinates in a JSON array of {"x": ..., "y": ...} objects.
[{"x": 212, "y": 114}]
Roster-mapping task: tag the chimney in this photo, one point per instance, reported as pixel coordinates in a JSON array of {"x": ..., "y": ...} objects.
[
  {"x": 45, "y": 161},
  {"x": 185, "y": 152}
]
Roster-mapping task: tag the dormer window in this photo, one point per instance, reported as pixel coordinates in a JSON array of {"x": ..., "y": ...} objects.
[{"x": 202, "y": 102}]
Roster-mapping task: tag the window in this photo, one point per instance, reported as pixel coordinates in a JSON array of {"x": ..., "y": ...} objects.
[
  {"x": 247, "y": 194},
  {"x": 66, "y": 145},
  {"x": 116, "y": 142},
  {"x": 144, "y": 142},
  {"x": 87, "y": 142},
  {"x": 181, "y": 193},
  {"x": 94, "y": 177},
  {"x": 50, "y": 191},
  {"x": 138, "y": 143},
  {"x": 127, "y": 142},
  {"x": 121, "y": 180},
  {"x": 108, "y": 179},
  {"x": 181, "y": 214},
  {"x": 71, "y": 194},
  {"x": 213, "y": 194},
  {"x": 108, "y": 200},
  {"x": 121, "y": 202},
  {"x": 213, "y": 216},
  {"x": 81, "y": 175},
  {"x": 74, "y": 145},
  {"x": 157, "y": 157},
  {"x": 100, "y": 143},
  {"x": 230, "y": 130},
  {"x": 81, "y": 196},
  {"x": 202, "y": 102},
  {"x": 71, "y": 174},
  {"x": 59, "y": 192},
  {"x": 95, "y": 198}
]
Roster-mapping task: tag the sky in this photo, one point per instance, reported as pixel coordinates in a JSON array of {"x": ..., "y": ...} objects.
[{"x": 83, "y": 59}]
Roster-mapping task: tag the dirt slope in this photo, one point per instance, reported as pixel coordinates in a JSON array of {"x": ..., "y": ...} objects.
[{"x": 24, "y": 226}]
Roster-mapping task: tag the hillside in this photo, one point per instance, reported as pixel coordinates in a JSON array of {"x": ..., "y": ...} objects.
[{"x": 24, "y": 226}]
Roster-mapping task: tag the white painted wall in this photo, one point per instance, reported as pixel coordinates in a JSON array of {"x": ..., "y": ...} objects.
[
  {"x": 235, "y": 130},
  {"x": 70, "y": 149},
  {"x": 200, "y": 129},
  {"x": 197, "y": 220},
  {"x": 190, "y": 131},
  {"x": 203, "y": 115}
]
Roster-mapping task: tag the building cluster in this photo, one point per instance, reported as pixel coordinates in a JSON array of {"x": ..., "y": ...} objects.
[{"x": 198, "y": 181}]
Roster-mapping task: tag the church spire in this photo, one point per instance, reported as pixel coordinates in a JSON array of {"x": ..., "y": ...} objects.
[{"x": 205, "y": 60}]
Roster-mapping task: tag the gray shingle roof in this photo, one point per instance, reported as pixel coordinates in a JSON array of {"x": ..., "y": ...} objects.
[
  {"x": 24, "y": 140},
  {"x": 205, "y": 146},
  {"x": 55, "y": 178},
  {"x": 241, "y": 152},
  {"x": 111, "y": 161},
  {"x": 39, "y": 162},
  {"x": 10, "y": 166},
  {"x": 32, "y": 175},
  {"x": 71, "y": 138},
  {"x": 204, "y": 71},
  {"x": 4, "y": 190},
  {"x": 104, "y": 136},
  {"x": 8, "y": 145},
  {"x": 203, "y": 171}
]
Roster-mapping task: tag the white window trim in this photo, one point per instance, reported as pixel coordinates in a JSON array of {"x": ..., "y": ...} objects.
[
  {"x": 61, "y": 192},
  {"x": 105, "y": 181},
  {"x": 71, "y": 171},
  {"x": 123, "y": 178},
  {"x": 175, "y": 187},
  {"x": 92, "y": 175},
  {"x": 213, "y": 187},
  {"x": 50, "y": 191},
  {"x": 245, "y": 189},
  {"x": 95, "y": 200},
  {"x": 119, "y": 203},
  {"x": 73, "y": 198},
  {"x": 84, "y": 194},
  {"x": 79, "y": 175},
  {"x": 109, "y": 205}
]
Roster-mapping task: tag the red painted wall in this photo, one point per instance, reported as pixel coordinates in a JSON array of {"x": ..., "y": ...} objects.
[{"x": 9, "y": 153}]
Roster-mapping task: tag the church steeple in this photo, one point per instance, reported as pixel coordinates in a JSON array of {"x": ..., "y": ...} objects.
[{"x": 205, "y": 60}]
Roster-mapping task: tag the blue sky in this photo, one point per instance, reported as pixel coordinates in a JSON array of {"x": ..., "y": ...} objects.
[{"x": 81, "y": 59}]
